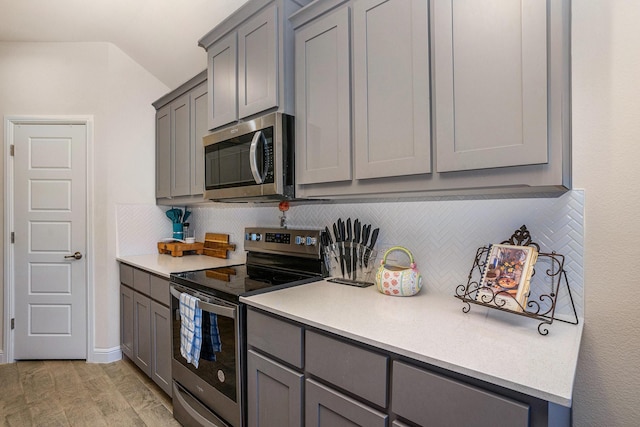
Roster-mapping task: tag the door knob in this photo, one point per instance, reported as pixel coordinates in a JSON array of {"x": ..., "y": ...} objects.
[{"x": 77, "y": 255}]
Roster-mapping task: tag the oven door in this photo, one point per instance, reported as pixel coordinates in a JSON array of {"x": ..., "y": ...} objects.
[{"x": 216, "y": 382}]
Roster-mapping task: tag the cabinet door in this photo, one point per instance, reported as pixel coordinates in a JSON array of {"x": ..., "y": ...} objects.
[
  {"x": 161, "y": 346},
  {"x": 274, "y": 393},
  {"x": 126, "y": 321},
  {"x": 163, "y": 152},
  {"x": 141, "y": 332},
  {"x": 490, "y": 62},
  {"x": 222, "y": 81},
  {"x": 391, "y": 88},
  {"x": 180, "y": 147},
  {"x": 257, "y": 63},
  {"x": 198, "y": 130},
  {"x": 323, "y": 115},
  {"x": 325, "y": 407}
]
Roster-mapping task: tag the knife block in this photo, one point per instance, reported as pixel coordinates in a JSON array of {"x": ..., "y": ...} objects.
[{"x": 350, "y": 263}]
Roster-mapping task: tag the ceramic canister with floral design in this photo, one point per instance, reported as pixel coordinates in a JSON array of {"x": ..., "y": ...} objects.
[{"x": 398, "y": 280}]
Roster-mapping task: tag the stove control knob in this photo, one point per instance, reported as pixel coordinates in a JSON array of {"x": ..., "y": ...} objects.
[
  {"x": 256, "y": 237},
  {"x": 299, "y": 240},
  {"x": 311, "y": 241}
]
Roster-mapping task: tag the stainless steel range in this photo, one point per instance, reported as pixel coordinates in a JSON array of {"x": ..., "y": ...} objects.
[{"x": 213, "y": 393}]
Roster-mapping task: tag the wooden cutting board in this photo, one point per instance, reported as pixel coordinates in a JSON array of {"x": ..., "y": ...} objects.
[
  {"x": 179, "y": 249},
  {"x": 217, "y": 245}
]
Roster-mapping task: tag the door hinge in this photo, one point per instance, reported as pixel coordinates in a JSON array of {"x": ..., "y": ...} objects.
[
  {"x": 13, "y": 237},
  {"x": 13, "y": 324},
  {"x": 12, "y": 150}
]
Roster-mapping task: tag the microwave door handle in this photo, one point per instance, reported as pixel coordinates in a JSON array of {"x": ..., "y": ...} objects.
[
  {"x": 253, "y": 158},
  {"x": 208, "y": 307}
]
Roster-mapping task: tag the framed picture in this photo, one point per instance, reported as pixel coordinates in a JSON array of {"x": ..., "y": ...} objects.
[{"x": 506, "y": 276}]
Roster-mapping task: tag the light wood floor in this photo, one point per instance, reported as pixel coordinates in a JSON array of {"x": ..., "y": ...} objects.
[{"x": 76, "y": 393}]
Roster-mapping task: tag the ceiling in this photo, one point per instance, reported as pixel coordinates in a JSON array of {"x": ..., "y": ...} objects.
[{"x": 161, "y": 35}]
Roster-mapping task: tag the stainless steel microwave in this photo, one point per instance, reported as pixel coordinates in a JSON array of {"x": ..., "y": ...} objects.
[{"x": 252, "y": 161}]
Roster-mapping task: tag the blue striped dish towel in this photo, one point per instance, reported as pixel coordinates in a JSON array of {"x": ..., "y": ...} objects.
[
  {"x": 210, "y": 342},
  {"x": 190, "y": 328}
]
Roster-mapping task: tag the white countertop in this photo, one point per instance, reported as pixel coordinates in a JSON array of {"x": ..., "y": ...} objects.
[
  {"x": 164, "y": 265},
  {"x": 497, "y": 347}
]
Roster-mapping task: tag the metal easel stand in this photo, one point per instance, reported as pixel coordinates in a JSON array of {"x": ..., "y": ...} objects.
[{"x": 543, "y": 308}]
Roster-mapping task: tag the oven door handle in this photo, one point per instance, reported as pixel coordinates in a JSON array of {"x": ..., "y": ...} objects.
[{"x": 210, "y": 308}]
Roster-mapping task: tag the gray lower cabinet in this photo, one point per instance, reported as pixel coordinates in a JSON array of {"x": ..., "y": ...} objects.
[
  {"x": 427, "y": 398},
  {"x": 325, "y": 407},
  {"x": 161, "y": 346},
  {"x": 347, "y": 383},
  {"x": 274, "y": 397},
  {"x": 445, "y": 98},
  {"x": 142, "y": 332},
  {"x": 181, "y": 122},
  {"x": 126, "y": 321},
  {"x": 145, "y": 323},
  {"x": 361, "y": 372}
]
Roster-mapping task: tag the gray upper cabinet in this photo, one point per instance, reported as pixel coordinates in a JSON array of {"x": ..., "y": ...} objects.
[
  {"x": 163, "y": 152},
  {"x": 181, "y": 147},
  {"x": 181, "y": 122},
  {"x": 258, "y": 63},
  {"x": 391, "y": 88},
  {"x": 250, "y": 61},
  {"x": 222, "y": 81},
  {"x": 490, "y": 77},
  {"x": 445, "y": 98},
  {"x": 199, "y": 127},
  {"x": 323, "y": 115}
]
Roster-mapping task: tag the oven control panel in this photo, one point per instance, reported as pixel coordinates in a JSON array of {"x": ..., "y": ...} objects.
[{"x": 283, "y": 241}]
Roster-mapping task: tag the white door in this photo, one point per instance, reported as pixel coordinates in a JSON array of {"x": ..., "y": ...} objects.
[{"x": 50, "y": 226}]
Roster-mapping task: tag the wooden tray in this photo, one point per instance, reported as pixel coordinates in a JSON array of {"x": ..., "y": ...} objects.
[
  {"x": 217, "y": 245},
  {"x": 179, "y": 249}
]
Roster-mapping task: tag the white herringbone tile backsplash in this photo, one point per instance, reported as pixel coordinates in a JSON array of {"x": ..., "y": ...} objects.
[{"x": 442, "y": 235}]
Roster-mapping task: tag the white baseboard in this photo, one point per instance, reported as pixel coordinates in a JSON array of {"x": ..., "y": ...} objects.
[
  {"x": 105, "y": 355},
  {"x": 3, "y": 358}
]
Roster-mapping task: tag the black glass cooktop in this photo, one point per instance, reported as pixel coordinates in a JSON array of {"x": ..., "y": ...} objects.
[{"x": 233, "y": 281}]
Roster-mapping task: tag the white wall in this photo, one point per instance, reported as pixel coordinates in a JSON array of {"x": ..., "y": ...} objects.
[
  {"x": 92, "y": 79},
  {"x": 606, "y": 155}
]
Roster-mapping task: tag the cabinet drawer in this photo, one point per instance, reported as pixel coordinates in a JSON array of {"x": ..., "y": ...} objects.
[
  {"x": 159, "y": 290},
  {"x": 426, "y": 398},
  {"x": 352, "y": 368},
  {"x": 141, "y": 281},
  {"x": 126, "y": 274},
  {"x": 280, "y": 339}
]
